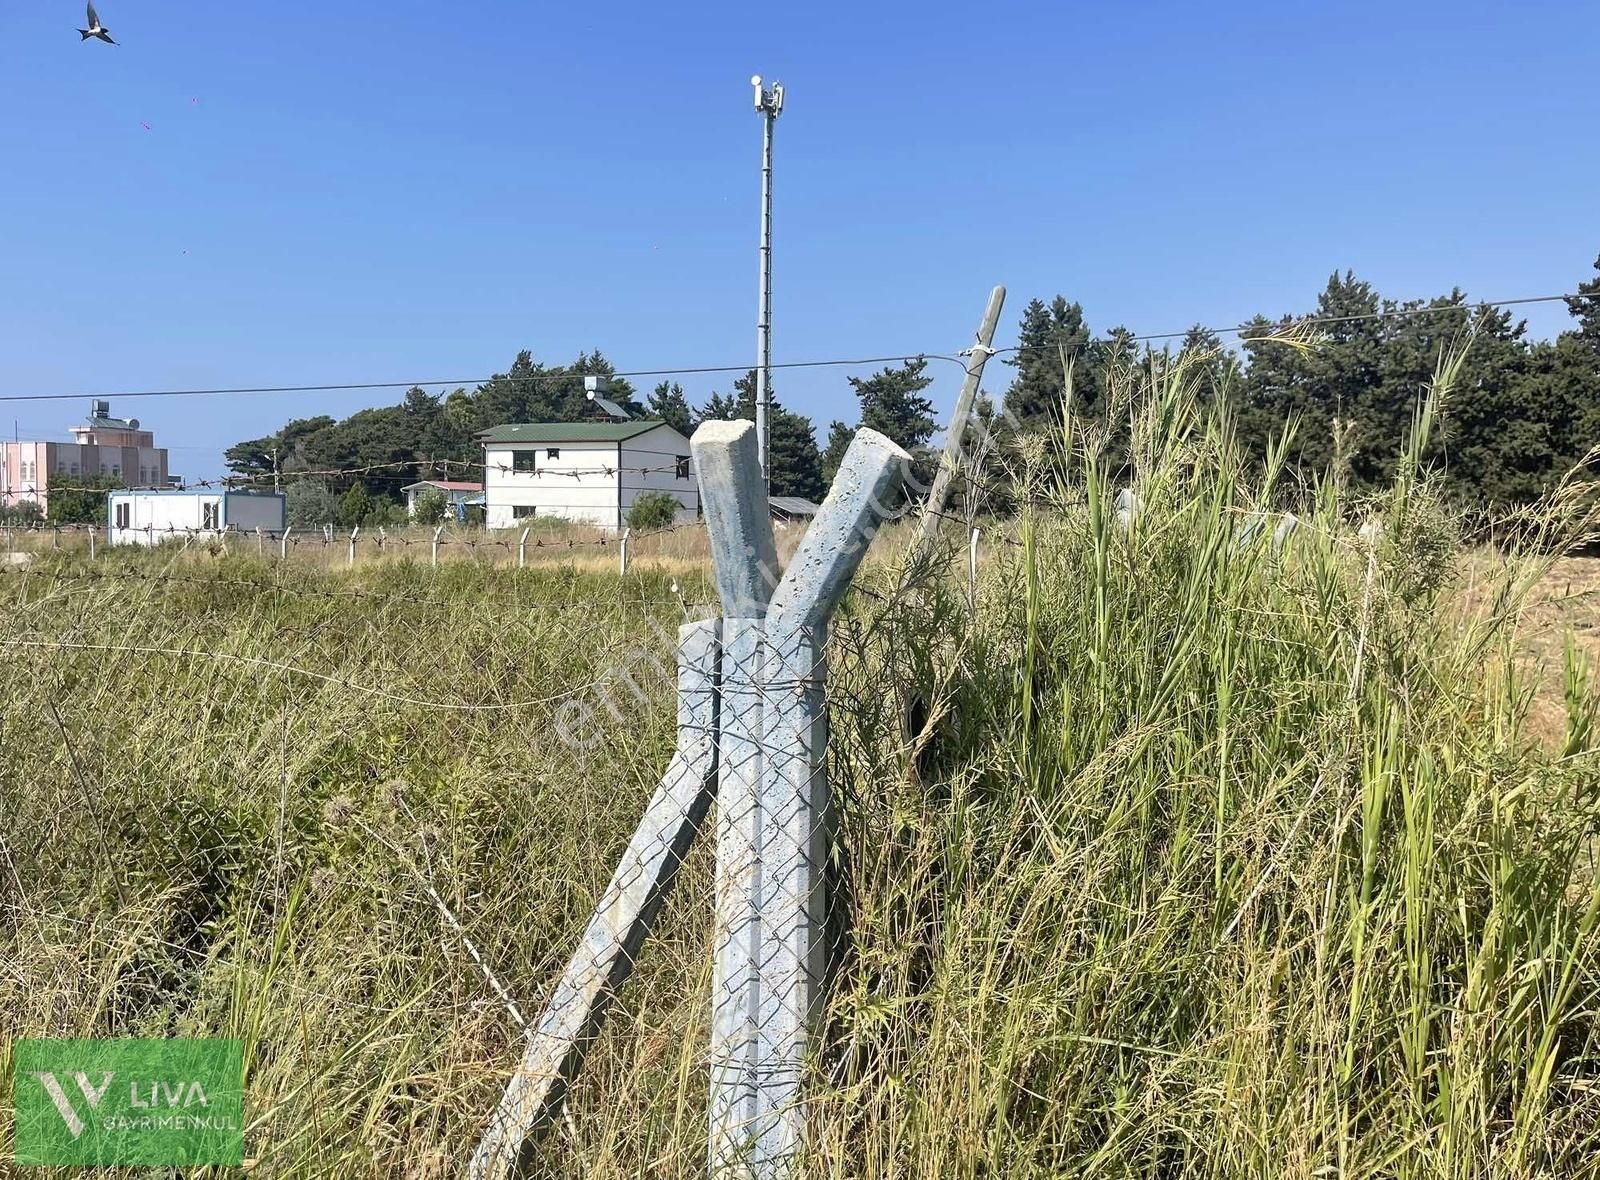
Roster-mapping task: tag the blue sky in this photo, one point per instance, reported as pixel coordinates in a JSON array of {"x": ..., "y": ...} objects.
[{"x": 335, "y": 192}]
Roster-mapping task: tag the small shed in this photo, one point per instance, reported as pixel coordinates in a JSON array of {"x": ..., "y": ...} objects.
[
  {"x": 458, "y": 494},
  {"x": 150, "y": 516},
  {"x": 788, "y": 509}
]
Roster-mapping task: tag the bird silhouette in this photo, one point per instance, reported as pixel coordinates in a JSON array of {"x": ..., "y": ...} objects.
[{"x": 95, "y": 29}]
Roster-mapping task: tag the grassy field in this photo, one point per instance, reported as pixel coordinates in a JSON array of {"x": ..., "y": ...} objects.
[{"x": 1193, "y": 858}]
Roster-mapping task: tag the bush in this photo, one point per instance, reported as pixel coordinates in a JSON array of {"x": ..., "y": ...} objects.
[
  {"x": 430, "y": 507},
  {"x": 23, "y": 512},
  {"x": 653, "y": 510},
  {"x": 80, "y": 501},
  {"x": 310, "y": 505}
]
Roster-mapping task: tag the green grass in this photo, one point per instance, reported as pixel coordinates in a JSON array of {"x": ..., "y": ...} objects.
[{"x": 1191, "y": 860}]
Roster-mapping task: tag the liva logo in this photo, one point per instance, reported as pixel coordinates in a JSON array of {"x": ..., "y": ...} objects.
[
  {"x": 154, "y": 1094},
  {"x": 91, "y": 1094},
  {"x": 178, "y": 1101}
]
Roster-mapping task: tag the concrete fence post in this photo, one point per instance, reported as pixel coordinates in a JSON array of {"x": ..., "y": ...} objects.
[
  {"x": 752, "y": 731},
  {"x": 91, "y": 542},
  {"x": 972, "y": 571},
  {"x": 522, "y": 548},
  {"x": 1285, "y": 530},
  {"x": 622, "y": 552},
  {"x": 261, "y": 542},
  {"x": 622, "y": 919},
  {"x": 283, "y": 543},
  {"x": 353, "y": 533},
  {"x": 1127, "y": 508},
  {"x": 773, "y": 806},
  {"x": 436, "y": 534}
]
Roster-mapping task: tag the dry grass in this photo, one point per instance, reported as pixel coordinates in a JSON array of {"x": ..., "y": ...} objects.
[{"x": 1195, "y": 860}]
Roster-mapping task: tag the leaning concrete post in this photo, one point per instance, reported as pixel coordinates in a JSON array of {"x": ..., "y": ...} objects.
[
  {"x": 572, "y": 1019},
  {"x": 796, "y": 809}
]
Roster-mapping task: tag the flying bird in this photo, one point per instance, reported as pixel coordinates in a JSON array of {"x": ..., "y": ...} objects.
[{"x": 95, "y": 29}]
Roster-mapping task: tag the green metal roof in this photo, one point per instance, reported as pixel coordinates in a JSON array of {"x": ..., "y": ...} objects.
[{"x": 541, "y": 432}]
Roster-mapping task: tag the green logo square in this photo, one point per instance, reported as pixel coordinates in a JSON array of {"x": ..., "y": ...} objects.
[{"x": 178, "y": 1101}]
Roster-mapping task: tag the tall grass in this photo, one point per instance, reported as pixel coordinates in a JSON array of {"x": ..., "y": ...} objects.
[{"x": 1176, "y": 857}]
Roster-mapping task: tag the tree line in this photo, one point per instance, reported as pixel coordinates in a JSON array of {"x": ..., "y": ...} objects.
[{"x": 1347, "y": 374}]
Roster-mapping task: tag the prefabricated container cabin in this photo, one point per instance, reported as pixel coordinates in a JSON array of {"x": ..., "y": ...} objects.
[{"x": 148, "y": 517}]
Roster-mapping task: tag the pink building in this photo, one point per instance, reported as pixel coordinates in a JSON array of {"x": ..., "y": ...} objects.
[{"x": 102, "y": 448}]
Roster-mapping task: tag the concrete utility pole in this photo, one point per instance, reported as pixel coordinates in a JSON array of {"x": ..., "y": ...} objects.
[
  {"x": 960, "y": 418},
  {"x": 769, "y": 105}
]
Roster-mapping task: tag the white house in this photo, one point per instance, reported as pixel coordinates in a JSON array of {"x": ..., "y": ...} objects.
[
  {"x": 456, "y": 492},
  {"x": 140, "y": 517},
  {"x": 590, "y": 472}
]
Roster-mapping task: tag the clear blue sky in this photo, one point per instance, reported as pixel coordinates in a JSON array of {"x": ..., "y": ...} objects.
[{"x": 338, "y": 192}]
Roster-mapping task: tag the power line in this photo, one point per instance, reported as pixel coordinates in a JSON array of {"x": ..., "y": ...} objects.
[
  {"x": 462, "y": 382},
  {"x": 702, "y": 370}
]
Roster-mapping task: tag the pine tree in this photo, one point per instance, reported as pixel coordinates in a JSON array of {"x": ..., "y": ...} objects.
[
  {"x": 839, "y": 436},
  {"x": 1585, "y": 308},
  {"x": 892, "y": 403},
  {"x": 668, "y": 403},
  {"x": 795, "y": 461},
  {"x": 1051, "y": 340}
]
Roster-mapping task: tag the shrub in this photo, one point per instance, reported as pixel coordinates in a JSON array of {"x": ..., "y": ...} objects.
[
  {"x": 310, "y": 505},
  {"x": 430, "y": 507},
  {"x": 653, "y": 510}
]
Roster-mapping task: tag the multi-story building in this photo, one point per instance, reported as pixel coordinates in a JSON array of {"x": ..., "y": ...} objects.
[
  {"x": 114, "y": 449},
  {"x": 588, "y": 472}
]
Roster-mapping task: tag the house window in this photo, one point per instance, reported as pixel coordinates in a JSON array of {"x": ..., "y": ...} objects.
[
  {"x": 210, "y": 511},
  {"x": 552, "y": 452},
  {"x": 116, "y": 470},
  {"x": 102, "y": 469},
  {"x": 519, "y": 511},
  {"x": 122, "y": 514},
  {"x": 683, "y": 466},
  {"x": 522, "y": 461}
]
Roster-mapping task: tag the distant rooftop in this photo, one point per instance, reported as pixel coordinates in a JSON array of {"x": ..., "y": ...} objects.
[
  {"x": 794, "y": 506},
  {"x": 445, "y": 485},
  {"x": 541, "y": 432},
  {"x": 100, "y": 417}
]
